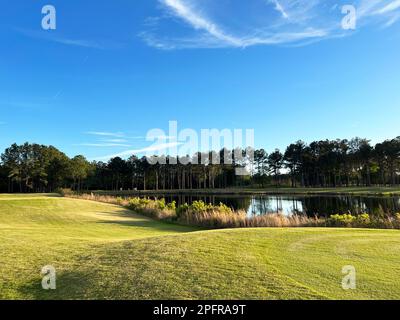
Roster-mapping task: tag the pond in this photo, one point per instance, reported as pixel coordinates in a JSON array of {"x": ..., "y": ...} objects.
[{"x": 315, "y": 205}]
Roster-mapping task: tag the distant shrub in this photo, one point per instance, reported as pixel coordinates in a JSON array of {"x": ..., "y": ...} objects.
[
  {"x": 160, "y": 204},
  {"x": 120, "y": 200},
  {"x": 341, "y": 220},
  {"x": 224, "y": 208},
  {"x": 138, "y": 204},
  {"x": 133, "y": 203},
  {"x": 201, "y": 206},
  {"x": 214, "y": 216},
  {"x": 397, "y": 221},
  {"x": 154, "y": 208},
  {"x": 182, "y": 209},
  {"x": 171, "y": 206},
  {"x": 64, "y": 191},
  {"x": 363, "y": 220},
  {"x": 360, "y": 221}
]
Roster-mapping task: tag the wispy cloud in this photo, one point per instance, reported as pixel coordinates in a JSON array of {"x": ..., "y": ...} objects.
[
  {"x": 212, "y": 35},
  {"x": 78, "y": 43},
  {"x": 389, "y": 7},
  {"x": 279, "y": 8},
  {"x": 387, "y": 12},
  {"x": 106, "y": 139},
  {"x": 164, "y": 137},
  {"x": 200, "y": 23},
  {"x": 392, "y": 20},
  {"x": 56, "y": 37},
  {"x": 106, "y": 134},
  {"x": 299, "y": 21},
  {"x": 127, "y": 153},
  {"x": 102, "y": 145},
  {"x": 114, "y": 140},
  {"x": 59, "y": 39}
]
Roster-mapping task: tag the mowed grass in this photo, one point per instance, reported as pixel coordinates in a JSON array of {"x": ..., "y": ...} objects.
[{"x": 102, "y": 251}]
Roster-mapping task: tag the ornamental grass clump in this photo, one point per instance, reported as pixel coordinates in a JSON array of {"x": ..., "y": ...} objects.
[
  {"x": 283, "y": 221},
  {"x": 207, "y": 215},
  {"x": 221, "y": 216},
  {"x": 154, "y": 208}
]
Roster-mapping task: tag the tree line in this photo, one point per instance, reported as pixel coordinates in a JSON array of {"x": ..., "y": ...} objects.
[{"x": 326, "y": 163}]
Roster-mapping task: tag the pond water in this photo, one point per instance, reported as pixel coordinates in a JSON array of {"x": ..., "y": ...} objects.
[{"x": 288, "y": 205}]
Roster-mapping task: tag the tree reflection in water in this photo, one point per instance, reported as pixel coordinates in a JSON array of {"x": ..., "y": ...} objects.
[{"x": 288, "y": 205}]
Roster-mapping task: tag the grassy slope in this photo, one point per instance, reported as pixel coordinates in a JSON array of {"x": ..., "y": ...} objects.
[{"x": 104, "y": 251}]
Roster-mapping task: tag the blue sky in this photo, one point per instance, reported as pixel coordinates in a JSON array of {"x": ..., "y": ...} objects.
[{"x": 112, "y": 70}]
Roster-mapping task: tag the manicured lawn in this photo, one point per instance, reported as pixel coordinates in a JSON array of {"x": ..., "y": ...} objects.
[{"x": 104, "y": 251}]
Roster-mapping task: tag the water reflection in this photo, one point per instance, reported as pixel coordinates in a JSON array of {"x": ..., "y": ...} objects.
[{"x": 288, "y": 205}]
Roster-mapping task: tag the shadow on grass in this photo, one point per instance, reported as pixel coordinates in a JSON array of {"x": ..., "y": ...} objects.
[
  {"x": 69, "y": 286},
  {"x": 30, "y": 195},
  {"x": 132, "y": 219},
  {"x": 156, "y": 226}
]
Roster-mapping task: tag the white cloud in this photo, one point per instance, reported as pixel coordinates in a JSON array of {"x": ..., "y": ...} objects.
[
  {"x": 78, "y": 43},
  {"x": 390, "y": 7},
  {"x": 299, "y": 22},
  {"x": 106, "y": 139},
  {"x": 59, "y": 39},
  {"x": 212, "y": 35},
  {"x": 153, "y": 148},
  {"x": 114, "y": 140},
  {"x": 199, "y": 22},
  {"x": 279, "y": 8},
  {"x": 106, "y": 134},
  {"x": 103, "y": 145},
  {"x": 164, "y": 137},
  {"x": 392, "y": 20}
]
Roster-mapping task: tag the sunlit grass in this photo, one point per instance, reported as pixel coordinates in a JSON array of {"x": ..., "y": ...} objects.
[{"x": 104, "y": 251}]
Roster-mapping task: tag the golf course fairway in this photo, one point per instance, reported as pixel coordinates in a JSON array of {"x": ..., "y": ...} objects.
[{"x": 102, "y": 251}]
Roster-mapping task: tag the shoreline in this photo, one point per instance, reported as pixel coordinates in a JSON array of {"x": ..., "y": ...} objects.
[{"x": 350, "y": 191}]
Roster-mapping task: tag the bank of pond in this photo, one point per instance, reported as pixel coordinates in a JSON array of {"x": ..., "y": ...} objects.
[
  {"x": 230, "y": 211},
  {"x": 311, "y": 206}
]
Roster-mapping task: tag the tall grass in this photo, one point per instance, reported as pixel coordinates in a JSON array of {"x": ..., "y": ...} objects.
[
  {"x": 157, "y": 209},
  {"x": 221, "y": 216},
  {"x": 239, "y": 219}
]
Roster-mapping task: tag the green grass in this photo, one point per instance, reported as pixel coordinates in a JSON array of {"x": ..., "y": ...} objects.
[{"x": 104, "y": 251}]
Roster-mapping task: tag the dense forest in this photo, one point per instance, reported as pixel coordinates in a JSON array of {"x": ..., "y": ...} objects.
[{"x": 326, "y": 163}]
